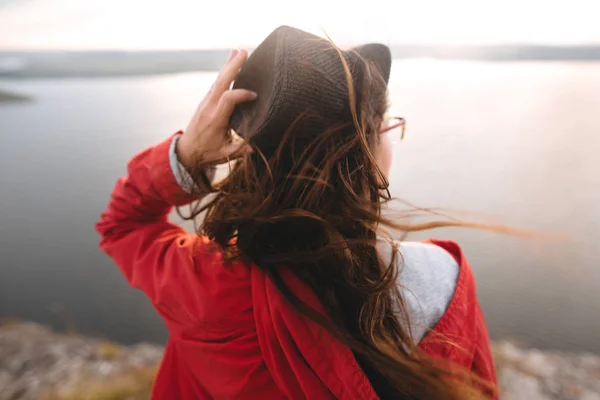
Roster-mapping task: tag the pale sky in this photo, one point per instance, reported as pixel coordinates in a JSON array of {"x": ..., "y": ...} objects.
[{"x": 191, "y": 24}]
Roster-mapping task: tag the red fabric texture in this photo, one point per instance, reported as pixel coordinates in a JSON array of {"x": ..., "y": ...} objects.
[{"x": 232, "y": 335}]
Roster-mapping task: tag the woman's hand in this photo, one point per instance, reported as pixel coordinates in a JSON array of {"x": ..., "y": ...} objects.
[{"x": 207, "y": 139}]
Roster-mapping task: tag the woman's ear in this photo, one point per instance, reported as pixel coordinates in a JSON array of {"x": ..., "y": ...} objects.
[{"x": 384, "y": 153}]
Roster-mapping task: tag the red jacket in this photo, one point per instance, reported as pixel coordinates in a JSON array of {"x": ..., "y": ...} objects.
[{"x": 232, "y": 335}]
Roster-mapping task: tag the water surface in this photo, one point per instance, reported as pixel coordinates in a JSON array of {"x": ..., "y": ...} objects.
[{"x": 516, "y": 141}]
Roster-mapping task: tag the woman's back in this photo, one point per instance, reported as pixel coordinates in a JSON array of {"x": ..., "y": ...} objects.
[
  {"x": 217, "y": 312},
  {"x": 222, "y": 351}
]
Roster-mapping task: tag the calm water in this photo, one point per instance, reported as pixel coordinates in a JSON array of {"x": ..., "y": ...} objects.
[{"x": 515, "y": 141}]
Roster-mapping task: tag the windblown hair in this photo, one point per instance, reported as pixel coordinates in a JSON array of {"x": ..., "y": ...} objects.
[{"x": 312, "y": 205}]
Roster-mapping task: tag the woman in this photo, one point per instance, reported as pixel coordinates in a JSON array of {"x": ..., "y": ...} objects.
[{"x": 289, "y": 290}]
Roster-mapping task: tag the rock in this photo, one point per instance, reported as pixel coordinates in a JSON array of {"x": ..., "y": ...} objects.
[
  {"x": 35, "y": 361},
  {"x": 519, "y": 386},
  {"x": 535, "y": 374},
  {"x": 590, "y": 396}
]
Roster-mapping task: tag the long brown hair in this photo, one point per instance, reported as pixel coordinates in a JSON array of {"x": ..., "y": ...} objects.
[{"x": 312, "y": 204}]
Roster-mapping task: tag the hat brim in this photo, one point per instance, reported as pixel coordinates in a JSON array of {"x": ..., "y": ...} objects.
[{"x": 379, "y": 55}]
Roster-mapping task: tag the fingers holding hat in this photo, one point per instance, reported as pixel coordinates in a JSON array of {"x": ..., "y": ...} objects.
[
  {"x": 232, "y": 55},
  {"x": 208, "y": 131},
  {"x": 234, "y": 145},
  {"x": 228, "y": 73},
  {"x": 230, "y": 98}
]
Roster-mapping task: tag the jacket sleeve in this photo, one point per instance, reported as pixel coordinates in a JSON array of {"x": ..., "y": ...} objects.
[{"x": 151, "y": 252}]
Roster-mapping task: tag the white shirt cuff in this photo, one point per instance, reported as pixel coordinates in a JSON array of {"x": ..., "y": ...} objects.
[{"x": 182, "y": 176}]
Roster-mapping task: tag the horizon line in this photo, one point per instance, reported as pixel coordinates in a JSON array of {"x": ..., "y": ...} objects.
[{"x": 227, "y": 49}]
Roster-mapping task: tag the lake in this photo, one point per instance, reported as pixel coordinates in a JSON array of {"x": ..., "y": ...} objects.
[{"x": 515, "y": 143}]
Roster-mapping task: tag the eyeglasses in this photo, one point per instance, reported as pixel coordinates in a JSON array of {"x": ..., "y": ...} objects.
[{"x": 394, "y": 123}]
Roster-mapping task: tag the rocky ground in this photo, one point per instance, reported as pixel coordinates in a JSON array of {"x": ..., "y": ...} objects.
[
  {"x": 38, "y": 364},
  {"x": 543, "y": 375}
]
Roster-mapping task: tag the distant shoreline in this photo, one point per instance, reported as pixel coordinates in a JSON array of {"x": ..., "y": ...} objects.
[
  {"x": 84, "y": 64},
  {"x": 9, "y": 97}
]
